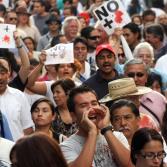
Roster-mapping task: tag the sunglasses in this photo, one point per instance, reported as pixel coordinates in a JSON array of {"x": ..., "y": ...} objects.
[
  {"x": 12, "y": 18},
  {"x": 133, "y": 74},
  {"x": 94, "y": 37}
]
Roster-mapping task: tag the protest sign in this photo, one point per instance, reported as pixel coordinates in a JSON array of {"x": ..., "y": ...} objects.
[
  {"x": 60, "y": 54},
  {"x": 6, "y": 36},
  {"x": 112, "y": 14}
]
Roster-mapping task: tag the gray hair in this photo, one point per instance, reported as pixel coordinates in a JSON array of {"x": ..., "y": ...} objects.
[
  {"x": 136, "y": 61},
  {"x": 67, "y": 21},
  {"x": 143, "y": 45}
]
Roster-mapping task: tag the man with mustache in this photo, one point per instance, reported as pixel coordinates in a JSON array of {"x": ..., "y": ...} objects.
[
  {"x": 105, "y": 60},
  {"x": 125, "y": 117}
]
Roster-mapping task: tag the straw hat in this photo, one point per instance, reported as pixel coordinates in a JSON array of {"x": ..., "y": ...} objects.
[{"x": 123, "y": 87}]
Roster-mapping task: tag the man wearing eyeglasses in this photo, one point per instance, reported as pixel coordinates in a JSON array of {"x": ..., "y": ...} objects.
[
  {"x": 11, "y": 18},
  {"x": 137, "y": 70}
]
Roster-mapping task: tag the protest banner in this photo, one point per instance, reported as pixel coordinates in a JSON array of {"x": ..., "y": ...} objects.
[
  {"x": 6, "y": 36},
  {"x": 60, "y": 54},
  {"x": 112, "y": 14}
]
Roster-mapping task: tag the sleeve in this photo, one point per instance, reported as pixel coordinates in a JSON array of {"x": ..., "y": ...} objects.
[
  {"x": 68, "y": 151},
  {"x": 17, "y": 83},
  {"x": 26, "y": 120}
]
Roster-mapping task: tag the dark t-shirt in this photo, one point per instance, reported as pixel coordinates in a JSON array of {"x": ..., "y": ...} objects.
[
  {"x": 99, "y": 84},
  {"x": 17, "y": 83}
]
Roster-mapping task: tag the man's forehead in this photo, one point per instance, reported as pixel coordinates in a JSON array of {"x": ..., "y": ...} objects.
[
  {"x": 136, "y": 67},
  {"x": 87, "y": 96}
]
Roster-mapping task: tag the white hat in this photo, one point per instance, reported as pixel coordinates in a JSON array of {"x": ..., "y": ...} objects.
[{"x": 122, "y": 88}]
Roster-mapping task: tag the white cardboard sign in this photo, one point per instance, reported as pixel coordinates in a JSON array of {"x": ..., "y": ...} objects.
[
  {"x": 6, "y": 36},
  {"x": 60, "y": 54},
  {"x": 111, "y": 15}
]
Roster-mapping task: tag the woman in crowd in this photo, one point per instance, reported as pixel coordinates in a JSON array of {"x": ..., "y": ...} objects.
[
  {"x": 31, "y": 46},
  {"x": 63, "y": 123},
  {"x": 43, "y": 114},
  {"x": 37, "y": 150},
  {"x": 44, "y": 87},
  {"x": 147, "y": 148}
]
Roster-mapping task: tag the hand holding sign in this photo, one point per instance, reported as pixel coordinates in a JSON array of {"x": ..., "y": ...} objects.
[
  {"x": 111, "y": 15},
  {"x": 60, "y": 54},
  {"x": 6, "y": 37}
]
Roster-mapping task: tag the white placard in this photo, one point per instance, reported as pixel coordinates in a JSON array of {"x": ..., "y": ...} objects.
[
  {"x": 60, "y": 54},
  {"x": 111, "y": 15},
  {"x": 6, "y": 36}
]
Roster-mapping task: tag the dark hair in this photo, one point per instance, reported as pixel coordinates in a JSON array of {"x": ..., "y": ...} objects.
[
  {"x": 74, "y": 92},
  {"x": 56, "y": 40},
  {"x": 37, "y": 150},
  {"x": 85, "y": 32},
  {"x": 80, "y": 40},
  {"x": 66, "y": 84},
  {"x": 148, "y": 12},
  {"x": 9, "y": 57},
  {"x": 155, "y": 29},
  {"x": 121, "y": 103},
  {"x": 46, "y": 100},
  {"x": 3, "y": 9},
  {"x": 140, "y": 138},
  {"x": 133, "y": 28},
  {"x": 152, "y": 77},
  {"x": 32, "y": 40}
]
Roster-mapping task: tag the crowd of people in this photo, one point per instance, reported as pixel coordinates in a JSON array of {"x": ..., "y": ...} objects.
[{"x": 107, "y": 108}]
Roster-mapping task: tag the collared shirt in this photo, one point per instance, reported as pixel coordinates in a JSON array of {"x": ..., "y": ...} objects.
[
  {"x": 99, "y": 84},
  {"x": 16, "y": 109}
]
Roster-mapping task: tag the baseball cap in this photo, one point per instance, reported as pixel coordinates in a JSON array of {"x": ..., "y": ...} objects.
[{"x": 102, "y": 47}]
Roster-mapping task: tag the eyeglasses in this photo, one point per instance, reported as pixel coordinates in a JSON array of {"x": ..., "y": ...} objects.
[
  {"x": 94, "y": 37},
  {"x": 150, "y": 155},
  {"x": 133, "y": 74},
  {"x": 12, "y": 18}
]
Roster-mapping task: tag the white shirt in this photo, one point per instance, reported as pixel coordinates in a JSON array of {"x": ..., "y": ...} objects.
[
  {"x": 5, "y": 147},
  {"x": 73, "y": 146},
  {"x": 14, "y": 105}
]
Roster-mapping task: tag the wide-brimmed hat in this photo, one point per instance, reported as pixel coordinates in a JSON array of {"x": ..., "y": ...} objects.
[
  {"x": 122, "y": 88},
  {"x": 52, "y": 18},
  {"x": 22, "y": 10},
  {"x": 104, "y": 47}
]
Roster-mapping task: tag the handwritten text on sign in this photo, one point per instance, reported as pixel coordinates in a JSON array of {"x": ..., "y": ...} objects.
[
  {"x": 60, "y": 54},
  {"x": 112, "y": 14}
]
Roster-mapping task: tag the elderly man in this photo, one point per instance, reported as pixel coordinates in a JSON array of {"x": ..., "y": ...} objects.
[
  {"x": 137, "y": 70},
  {"x": 88, "y": 147},
  {"x": 105, "y": 60}
]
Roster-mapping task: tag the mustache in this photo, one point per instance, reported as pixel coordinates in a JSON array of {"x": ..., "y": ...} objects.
[
  {"x": 123, "y": 128},
  {"x": 106, "y": 64}
]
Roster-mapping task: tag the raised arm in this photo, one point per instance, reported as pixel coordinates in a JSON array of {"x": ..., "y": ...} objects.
[
  {"x": 25, "y": 63},
  {"x": 85, "y": 158},
  {"x": 33, "y": 85}
]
